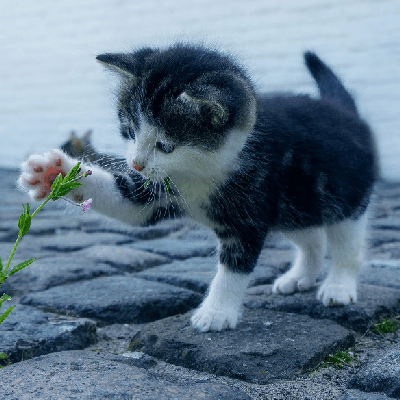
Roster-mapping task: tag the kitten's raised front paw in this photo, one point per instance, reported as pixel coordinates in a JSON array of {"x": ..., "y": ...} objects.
[
  {"x": 39, "y": 172},
  {"x": 290, "y": 283},
  {"x": 332, "y": 293},
  {"x": 207, "y": 319}
]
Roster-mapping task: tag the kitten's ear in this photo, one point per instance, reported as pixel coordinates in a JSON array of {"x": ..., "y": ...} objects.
[
  {"x": 128, "y": 65},
  {"x": 219, "y": 114},
  {"x": 72, "y": 135},
  {"x": 120, "y": 63},
  {"x": 87, "y": 135}
]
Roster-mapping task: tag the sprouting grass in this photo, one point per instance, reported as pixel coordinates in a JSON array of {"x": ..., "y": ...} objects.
[
  {"x": 386, "y": 326},
  {"x": 338, "y": 360}
]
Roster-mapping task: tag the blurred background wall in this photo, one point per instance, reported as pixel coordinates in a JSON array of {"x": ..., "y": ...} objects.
[{"x": 50, "y": 82}]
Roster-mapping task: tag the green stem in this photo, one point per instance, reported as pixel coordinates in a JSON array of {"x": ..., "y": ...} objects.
[{"x": 20, "y": 237}]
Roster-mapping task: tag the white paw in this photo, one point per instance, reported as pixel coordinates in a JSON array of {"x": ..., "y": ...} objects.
[
  {"x": 290, "y": 283},
  {"x": 332, "y": 293},
  {"x": 39, "y": 172},
  {"x": 207, "y": 318}
]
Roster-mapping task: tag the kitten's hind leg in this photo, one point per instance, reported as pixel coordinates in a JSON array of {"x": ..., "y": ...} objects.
[
  {"x": 311, "y": 250},
  {"x": 346, "y": 241}
]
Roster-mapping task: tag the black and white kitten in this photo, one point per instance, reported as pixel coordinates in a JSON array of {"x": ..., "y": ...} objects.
[{"x": 201, "y": 142}]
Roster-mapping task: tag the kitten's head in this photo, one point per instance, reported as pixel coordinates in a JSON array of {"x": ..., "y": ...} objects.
[{"x": 183, "y": 109}]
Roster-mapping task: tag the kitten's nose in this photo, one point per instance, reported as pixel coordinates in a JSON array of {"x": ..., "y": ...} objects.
[{"x": 138, "y": 167}]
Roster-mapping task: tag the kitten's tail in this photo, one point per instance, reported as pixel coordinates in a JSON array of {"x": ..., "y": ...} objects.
[{"x": 329, "y": 84}]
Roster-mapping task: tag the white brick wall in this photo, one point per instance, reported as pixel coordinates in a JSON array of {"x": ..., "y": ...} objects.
[{"x": 50, "y": 82}]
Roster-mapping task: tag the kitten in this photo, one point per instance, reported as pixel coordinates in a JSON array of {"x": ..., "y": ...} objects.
[
  {"x": 82, "y": 148},
  {"x": 201, "y": 142}
]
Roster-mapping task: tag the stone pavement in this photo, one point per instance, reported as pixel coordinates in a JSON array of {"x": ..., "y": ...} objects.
[{"x": 104, "y": 313}]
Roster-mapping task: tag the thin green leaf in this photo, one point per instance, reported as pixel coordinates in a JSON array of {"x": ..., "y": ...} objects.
[
  {"x": 6, "y": 313},
  {"x": 66, "y": 187},
  {"x": 21, "y": 266},
  {"x": 57, "y": 182},
  {"x": 1, "y": 266},
  {"x": 24, "y": 221},
  {"x": 3, "y": 356},
  {"x": 72, "y": 173},
  {"x": 146, "y": 184}
]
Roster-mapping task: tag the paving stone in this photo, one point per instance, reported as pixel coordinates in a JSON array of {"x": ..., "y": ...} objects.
[
  {"x": 85, "y": 375},
  {"x": 264, "y": 347},
  {"x": 178, "y": 249},
  {"x": 77, "y": 240},
  {"x": 374, "y": 303},
  {"x": 196, "y": 273},
  {"x": 28, "y": 332},
  {"x": 193, "y": 273},
  {"x": 382, "y": 272},
  {"x": 117, "y": 299},
  {"x": 358, "y": 395},
  {"x": 52, "y": 271},
  {"x": 105, "y": 224},
  {"x": 379, "y": 237},
  {"x": 381, "y": 374},
  {"x": 125, "y": 258}
]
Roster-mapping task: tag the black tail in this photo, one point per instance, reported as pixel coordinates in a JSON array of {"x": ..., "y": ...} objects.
[{"x": 328, "y": 83}]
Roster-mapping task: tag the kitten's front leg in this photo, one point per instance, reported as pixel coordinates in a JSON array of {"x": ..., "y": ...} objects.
[
  {"x": 108, "y": 191},
  {"x": 222, "y": 307}
]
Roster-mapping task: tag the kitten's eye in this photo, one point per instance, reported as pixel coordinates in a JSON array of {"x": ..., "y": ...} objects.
[
  {"x": 131, "y": 133},
  {"x": 164, "y": 147}
]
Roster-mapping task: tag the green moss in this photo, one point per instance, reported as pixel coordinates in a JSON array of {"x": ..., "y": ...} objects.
[
  {"x": 338, "y": 360},
  {"x": 386, "y": 326}
]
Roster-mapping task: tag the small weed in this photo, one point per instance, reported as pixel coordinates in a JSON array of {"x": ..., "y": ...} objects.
[
  {"x": 386, "y": 326},
  {"x": 338, "y": 360},
  {"x": 4, "y": 360}
]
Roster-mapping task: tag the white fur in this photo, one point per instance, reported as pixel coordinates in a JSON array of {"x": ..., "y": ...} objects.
[
  {"x": 346, "y": 241},
  {"x": 311, "y": 249},
  {"x": 221, "y": 308}
]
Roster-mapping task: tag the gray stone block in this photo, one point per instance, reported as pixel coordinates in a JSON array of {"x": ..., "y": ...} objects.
[
  {"x": 77, "y": 240},
  {"x": 193, "y": 273},
  {"x": 196, "y": 273},
  {"x": 178, "y": 249},
  {"x": 52, "y": 271},
  {"x": 117, "y": 299},
  {"x": 28, "y": 332},
  {"x": 358, "y": 395},
  {"x": 85, "y": 375},
  {"x": 374, "y": 303},
  {"x": 380, "y": 375},
  {"x": 125, "y": 258},
  {"x": 382, "y": 272},
  {"x": 264, "y": 347}
]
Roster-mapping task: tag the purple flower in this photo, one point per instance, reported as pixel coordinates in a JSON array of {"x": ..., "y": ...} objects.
[
  {"x": 86, "y": 204},
  {"x": 87, "y": 173}
]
